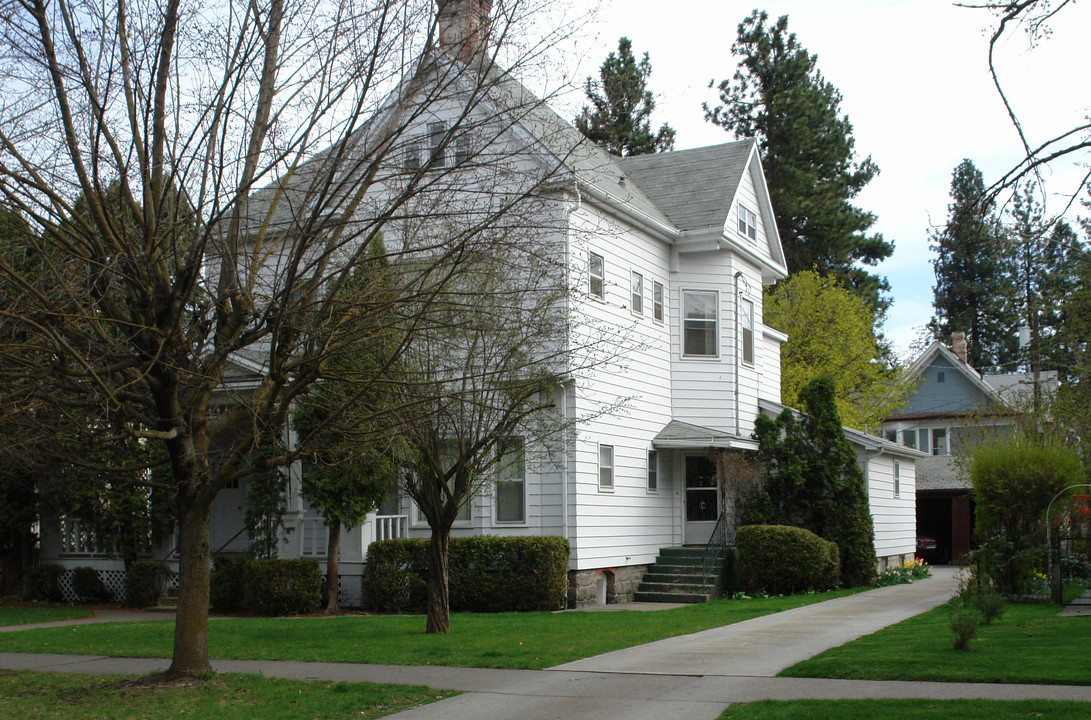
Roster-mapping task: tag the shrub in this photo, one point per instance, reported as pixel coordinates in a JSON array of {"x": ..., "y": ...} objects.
[
  {"x": 965, "y": 620},
  {"x": 1014, "y": 480},
  {"x": 284, "y": 587},
  {"x": 779, "y": 559},
  {"x": 45, "y": 583},
  {"x": 487, "y": 574},
  {"x": 393, "y": 579},
  {"x": 989, "y": 603},
  {"x": 88, "y": 586},
  {"x": 142, "y": 583},
  {"x": 227, "y": 591}
]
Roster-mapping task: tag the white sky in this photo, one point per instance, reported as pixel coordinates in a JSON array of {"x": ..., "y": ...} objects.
[{"x": 914, "y": 79}]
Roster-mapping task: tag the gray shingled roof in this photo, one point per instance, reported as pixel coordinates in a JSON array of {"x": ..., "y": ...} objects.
[
  {"x": 694, "y": 188},
  {"x": 592, "y": 166}
]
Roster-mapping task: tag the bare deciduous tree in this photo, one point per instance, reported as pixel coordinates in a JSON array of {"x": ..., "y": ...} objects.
[{"x": 208, "y": 307}]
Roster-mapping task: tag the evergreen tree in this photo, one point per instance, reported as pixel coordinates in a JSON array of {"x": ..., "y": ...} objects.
[
  {"x": 351, "y": 467},
  {"x": 974, "y": 291},
  {"x": 620, "y": 121},
  {"x": 814, "y": 480},
  {"x": 779, "y": 97}
]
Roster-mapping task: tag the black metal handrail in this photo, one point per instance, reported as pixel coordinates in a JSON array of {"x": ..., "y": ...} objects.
[{"x": 716, "y": 544}]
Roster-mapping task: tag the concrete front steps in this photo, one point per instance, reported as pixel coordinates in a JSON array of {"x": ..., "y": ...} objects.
[
  {"x": 167, "y": 603},
  {"x": 676, "y": 577}
]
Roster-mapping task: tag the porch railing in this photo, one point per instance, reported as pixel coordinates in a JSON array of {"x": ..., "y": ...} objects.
[
  {"x": 390, "y": 527},
  {"x": 721, "y": 539},
  {"x": 77, "y": 539}
]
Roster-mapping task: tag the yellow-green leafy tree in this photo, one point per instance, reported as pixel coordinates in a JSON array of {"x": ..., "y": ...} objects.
[{"x": 831, "y": 332}]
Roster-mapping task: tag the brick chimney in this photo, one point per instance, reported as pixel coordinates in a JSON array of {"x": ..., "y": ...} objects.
[
  {"x": 463, "y": 27},
  {"x": 958, "y": 345}
]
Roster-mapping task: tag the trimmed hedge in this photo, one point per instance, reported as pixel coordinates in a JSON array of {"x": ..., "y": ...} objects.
[
  {"x": 284, "y": 587},
  {"x": 45, "y": 583},
  {"x": 227, "y": 587},
  {"x": 268, "y": 586},
  {"x": 486, "y": 574},
  {"x": 779, "y": 560},
  {"x": 142, "y": 584},
  {"x": 88, "y": 586}
]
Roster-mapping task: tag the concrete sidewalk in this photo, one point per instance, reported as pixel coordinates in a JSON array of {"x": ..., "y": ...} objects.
[{"x": 694, "y": 676}]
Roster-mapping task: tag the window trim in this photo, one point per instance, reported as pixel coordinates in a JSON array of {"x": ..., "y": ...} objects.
[
  {"x": 611, "y": 468},
  {"x": 659, "y": 308},
  {"x": 600, "y": 276},
  {"x": 653, "y": 471},
  {"x": 636, "y": 293},
  {"x": 715, "y": 355},
  {"x": 518, "y": 445},
  {"x": 748, "y": 223}
]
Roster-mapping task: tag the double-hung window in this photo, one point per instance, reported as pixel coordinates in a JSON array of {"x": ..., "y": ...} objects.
[
  {"x": 657, "y": 301},
  {"x": 748, "y": 223},
  {"x": 606, "y": 467},
  {"x": 597, "y": 273},
  {"x": 700, "y": 324},
  {"x": 897, "y": 479},
  {"x": 511, "y": 481},
  {"x": 653, "y": 471},
  {"x": 436, "y": 133},
  {"x": 746, "y": 324},
  {"x": 637, "y": 288},
  {"x": 939, "y": 441}
]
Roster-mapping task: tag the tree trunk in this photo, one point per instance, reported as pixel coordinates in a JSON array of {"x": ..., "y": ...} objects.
[
  {"x": 191, "y": 621},
  {"x": 439, "y": 605},
  {"x": 333, "y": 547}
]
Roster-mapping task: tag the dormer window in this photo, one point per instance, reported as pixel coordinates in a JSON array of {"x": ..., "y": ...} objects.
[{"x": 748, "y": 223}]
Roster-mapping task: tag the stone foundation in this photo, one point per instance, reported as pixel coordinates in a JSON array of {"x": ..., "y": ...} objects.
[
  {"x": 585, "y": 586},
  {"x": 891, "y": 561}
]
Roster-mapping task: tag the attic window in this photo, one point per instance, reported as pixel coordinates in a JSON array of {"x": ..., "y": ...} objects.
[
  {"x": 436, "y": 133},
  {"x": 748, "y": 223},
  {"x": 940, "y": 376}
]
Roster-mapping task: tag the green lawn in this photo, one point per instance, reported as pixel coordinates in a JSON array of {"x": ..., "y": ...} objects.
[
  {"x": 1029, "y": 644},
  {"x": 908, "y": 710},
  {"x": 15, "y": 612},
  {"x": 49, "y": 696},
  {"x": 502, "y": 640}
]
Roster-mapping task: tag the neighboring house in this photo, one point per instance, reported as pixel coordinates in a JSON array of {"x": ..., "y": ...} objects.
[
  {"x": 675, "y": 248},
  {"x": 951, "y": 407}
]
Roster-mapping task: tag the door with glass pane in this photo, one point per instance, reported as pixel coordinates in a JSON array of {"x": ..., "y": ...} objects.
[{"x": 702, "y": 500}]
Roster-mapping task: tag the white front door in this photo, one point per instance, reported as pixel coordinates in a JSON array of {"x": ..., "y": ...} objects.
[{"x": 702, "y": 500}]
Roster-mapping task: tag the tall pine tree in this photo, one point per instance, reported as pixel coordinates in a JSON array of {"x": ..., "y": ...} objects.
[
  {"x": 779, "y": 97},
  {"x": 974, "y": 291},
  {"x": 620, "y": 120}
]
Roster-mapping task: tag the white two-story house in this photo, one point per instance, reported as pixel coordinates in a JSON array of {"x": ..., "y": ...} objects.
[{"x": 674, "y": 249}]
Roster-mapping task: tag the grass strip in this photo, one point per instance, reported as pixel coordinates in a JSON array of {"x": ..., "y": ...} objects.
[
  {"x": 909, "y": 710},
  {"x": 49, "y": 696},
  {"x": 1029, "y": 644},
  {"x": 500, "y": 640},
  {"x": 13, "y": 612}
]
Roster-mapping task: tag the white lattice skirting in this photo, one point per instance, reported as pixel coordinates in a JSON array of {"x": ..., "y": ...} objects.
[
  {"x": 114, "y": 580},
  {"x": 350, "y": 591}
]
